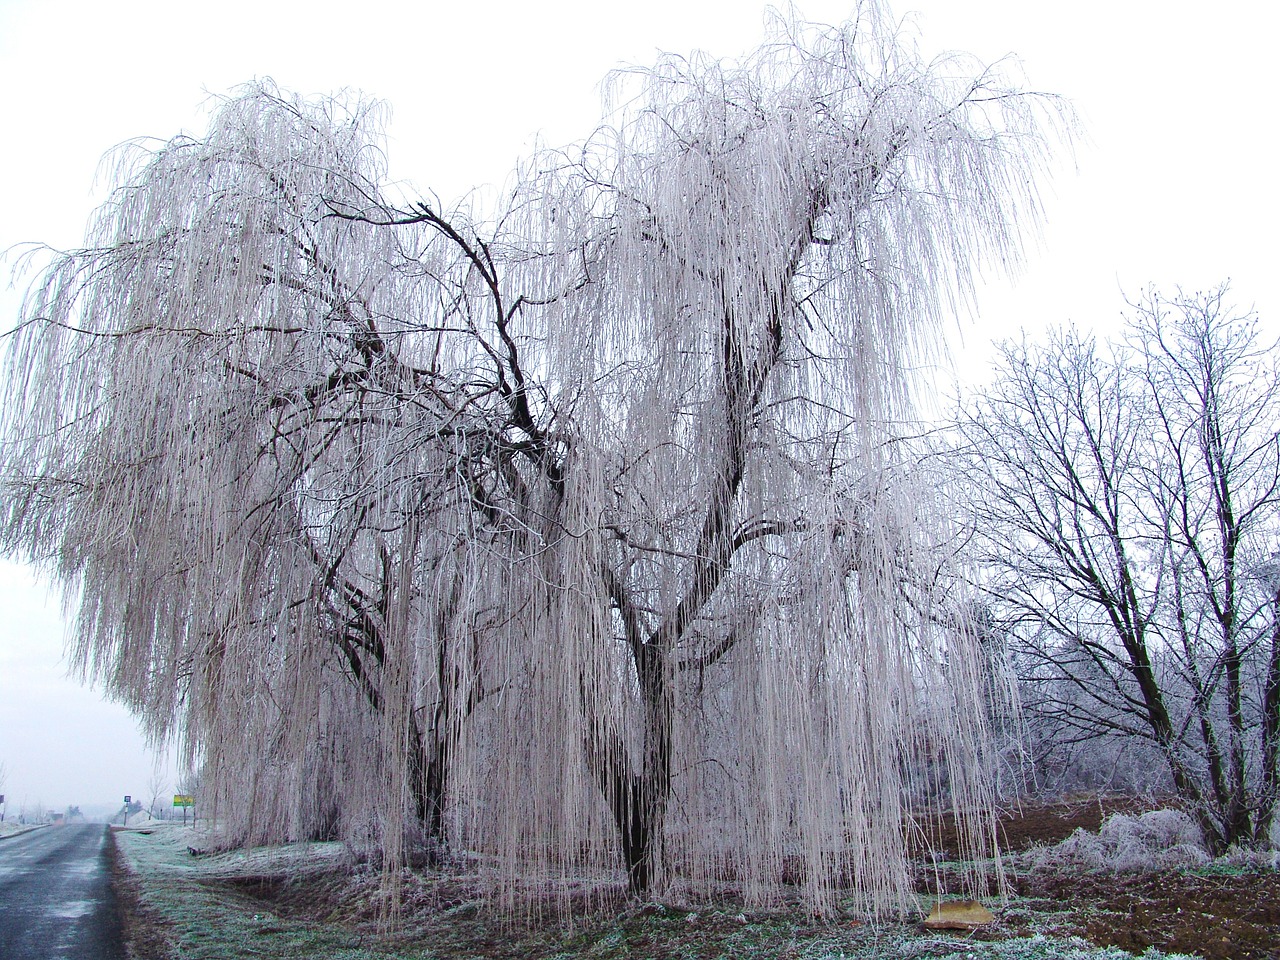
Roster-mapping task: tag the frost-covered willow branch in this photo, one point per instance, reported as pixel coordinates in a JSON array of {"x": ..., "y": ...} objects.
[{"x": 573, "y": 536}]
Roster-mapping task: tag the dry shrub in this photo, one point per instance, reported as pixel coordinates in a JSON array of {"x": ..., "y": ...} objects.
[{"x": 1160, "y": 839}]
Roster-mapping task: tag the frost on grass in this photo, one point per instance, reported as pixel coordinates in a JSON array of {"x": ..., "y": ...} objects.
[
  {"x": 204, "y": 917},
  {"x": 1026, "y": 948},
  {"x": 574, "y": 536},
  {"x": 185, "y": 851}
]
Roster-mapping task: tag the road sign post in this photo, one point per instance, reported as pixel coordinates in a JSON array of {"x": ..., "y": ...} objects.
[
  {"x": 184, "y": 800},
  {"x": 124, "y": 820}
]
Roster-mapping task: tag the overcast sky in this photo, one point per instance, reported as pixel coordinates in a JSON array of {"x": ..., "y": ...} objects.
[{"x": 1174, "y": 184}]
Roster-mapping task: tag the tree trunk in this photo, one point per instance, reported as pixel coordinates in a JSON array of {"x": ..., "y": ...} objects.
[
  {"x": 427, "y": 775},
  {"x": 637, "y": 818},
  {"x": 1270, "y": 735},
  {"x": 648, "y": 814},
  {"x": 638, "y": 798},
  {"x": 428, "y": 781}
]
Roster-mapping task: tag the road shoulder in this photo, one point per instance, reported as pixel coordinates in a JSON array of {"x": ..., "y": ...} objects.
[{"x": 147, "y": 935}]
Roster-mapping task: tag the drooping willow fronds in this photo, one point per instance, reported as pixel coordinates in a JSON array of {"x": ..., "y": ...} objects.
[{"x": 576, "y": 537}]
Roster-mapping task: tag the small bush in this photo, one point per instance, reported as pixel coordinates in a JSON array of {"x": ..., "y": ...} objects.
[
  {"x": 1161, "y": 839},
  {"x": 1243, "y": 860}
]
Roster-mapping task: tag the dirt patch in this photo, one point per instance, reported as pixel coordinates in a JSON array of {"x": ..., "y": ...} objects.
[
  {"x": 1217, "y": 916},
  {"x": 146, "y": 935}
]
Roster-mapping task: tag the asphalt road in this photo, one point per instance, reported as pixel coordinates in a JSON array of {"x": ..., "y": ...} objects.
[{"x": 56, "y": 899}]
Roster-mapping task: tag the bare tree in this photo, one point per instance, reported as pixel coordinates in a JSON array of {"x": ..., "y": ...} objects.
[
  {"x": 1126, "y": 501},
  {"x": 156, "y": 787},
  {"x": 571, "y": 533}
]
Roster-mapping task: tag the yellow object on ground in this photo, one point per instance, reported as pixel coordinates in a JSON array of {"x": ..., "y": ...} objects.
[{"x": 958, "y": 915}]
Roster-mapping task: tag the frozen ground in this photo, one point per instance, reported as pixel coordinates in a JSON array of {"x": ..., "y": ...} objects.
[{"x": 313, "y": 901}]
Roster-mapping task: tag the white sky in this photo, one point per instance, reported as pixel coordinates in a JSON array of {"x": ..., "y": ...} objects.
[{"x": 1175, "y": 185}]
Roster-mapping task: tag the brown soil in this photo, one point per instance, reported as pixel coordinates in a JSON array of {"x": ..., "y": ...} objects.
[{"x": 1221, "y": 917}]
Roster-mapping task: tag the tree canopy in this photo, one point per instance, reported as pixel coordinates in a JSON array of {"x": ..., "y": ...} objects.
[{"x": 572, "y": 534}]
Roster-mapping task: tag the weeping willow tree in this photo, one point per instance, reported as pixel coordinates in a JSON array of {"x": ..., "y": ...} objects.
[{"x": 572, "y": 534}]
